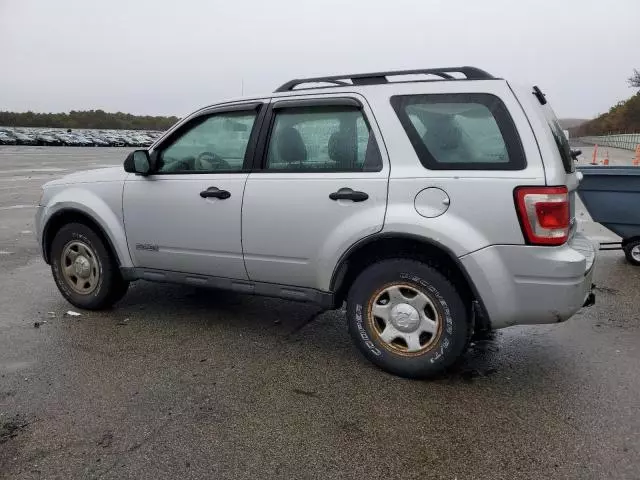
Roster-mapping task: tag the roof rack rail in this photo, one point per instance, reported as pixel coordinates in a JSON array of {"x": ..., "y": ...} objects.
[{"x": 376, "y": 78}]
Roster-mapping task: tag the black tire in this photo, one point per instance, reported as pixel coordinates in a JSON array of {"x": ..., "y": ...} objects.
[
  {"x": 628, "y": 251},
  {"x": 110, "y": 287},
  {"x": 441, "y": 350}
]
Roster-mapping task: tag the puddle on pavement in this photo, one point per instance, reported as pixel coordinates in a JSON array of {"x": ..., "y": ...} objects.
[
  {"x": 610, "y": 291},
  {"x": 477, "y": 362},
  {"x": 11, "y": 428}
]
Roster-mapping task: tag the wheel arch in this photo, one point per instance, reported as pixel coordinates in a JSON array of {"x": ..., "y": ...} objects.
[
  {"x": 402, "y": 245},
  {"x": 72, "y": 215},
  {"x": 626, "y": 241}
]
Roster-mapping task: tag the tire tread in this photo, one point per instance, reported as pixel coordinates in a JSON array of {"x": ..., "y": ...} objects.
[
  {"x": 420, "y": 366},
  {"x": 112, "y": 288}
]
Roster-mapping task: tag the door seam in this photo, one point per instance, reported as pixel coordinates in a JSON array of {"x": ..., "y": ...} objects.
[{"x": 244, "y": 262}]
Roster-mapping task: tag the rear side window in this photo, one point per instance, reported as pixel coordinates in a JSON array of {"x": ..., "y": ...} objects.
[
  {"x": 462, "y": 131},
  {"x": 322, "y": 139}
]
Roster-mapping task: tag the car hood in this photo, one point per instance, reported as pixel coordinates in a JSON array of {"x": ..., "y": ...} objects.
[{"x": 110, "y": 174}]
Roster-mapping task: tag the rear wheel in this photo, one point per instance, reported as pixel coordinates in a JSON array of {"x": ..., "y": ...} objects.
[
  {"x": 84, "y": 270},
  {"x": 632, "y": 251},
  {"x": 407, "y": 318}
]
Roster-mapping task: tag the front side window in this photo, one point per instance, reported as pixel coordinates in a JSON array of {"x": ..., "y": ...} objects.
[
  {"x": 212, "y": 144},
  {"x": 322, "y": 138},
  {"x": 470, "y": 131}
]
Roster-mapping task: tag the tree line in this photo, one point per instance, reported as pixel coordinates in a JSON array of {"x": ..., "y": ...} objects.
[
  {"x": 97, "y": 119},
  {"x": 624, "y": 117},
  {"x": 621, "y": 118}
]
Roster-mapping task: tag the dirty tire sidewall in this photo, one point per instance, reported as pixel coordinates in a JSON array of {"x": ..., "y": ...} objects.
[
  {"x": 454, "y": 333},
  {"x": 111, "y": 287},
  {"x": 627, "y": 252}
]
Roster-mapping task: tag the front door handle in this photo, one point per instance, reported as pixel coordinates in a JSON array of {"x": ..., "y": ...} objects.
[
  {"x": 348, "y": 194},
  {"x": 215, "y": 192}
]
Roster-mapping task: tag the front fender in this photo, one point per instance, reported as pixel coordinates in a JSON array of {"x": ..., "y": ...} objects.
[{"x": 103, "y": 204}]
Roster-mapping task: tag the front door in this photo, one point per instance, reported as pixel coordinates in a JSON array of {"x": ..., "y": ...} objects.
[
  {"x": 321, "y": 187},
  {"x": 185, "y": 216}
]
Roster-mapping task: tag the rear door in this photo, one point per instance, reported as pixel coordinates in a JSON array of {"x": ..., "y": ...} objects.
[{"x": 320, "y": 185}]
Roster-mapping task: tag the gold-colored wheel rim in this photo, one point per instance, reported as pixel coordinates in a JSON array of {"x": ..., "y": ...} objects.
[
  {"x": 80, "y": 267},
  {"x": 406, "y": 320}
]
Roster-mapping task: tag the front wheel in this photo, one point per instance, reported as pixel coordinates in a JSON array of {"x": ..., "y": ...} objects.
[
  {"x": 84, "y": 270},
  {"x": 407, "y": 318},
  {"x": 632, "y": 251}
]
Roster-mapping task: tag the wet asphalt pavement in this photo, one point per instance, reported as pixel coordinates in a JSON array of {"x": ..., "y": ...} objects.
[{"x": 180, "y": 383}]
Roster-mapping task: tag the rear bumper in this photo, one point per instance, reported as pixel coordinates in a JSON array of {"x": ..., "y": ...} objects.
[{"x": 522, "y": 284}]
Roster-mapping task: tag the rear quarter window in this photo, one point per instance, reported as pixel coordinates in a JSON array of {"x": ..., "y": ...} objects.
[
  {"x": 465, "y": 131},
  {"x": 562, "y": 143}
]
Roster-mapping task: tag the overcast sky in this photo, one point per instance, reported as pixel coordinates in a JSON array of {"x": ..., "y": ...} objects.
[{"x": 171, "y": 57}]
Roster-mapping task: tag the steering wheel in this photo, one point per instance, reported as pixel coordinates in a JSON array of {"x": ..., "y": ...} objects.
[
  {"x": 171, "y": 164},
  {"x": 211, "y": 161}
]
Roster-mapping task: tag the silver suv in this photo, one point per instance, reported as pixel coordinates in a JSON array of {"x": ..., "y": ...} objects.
[{"x": 434, "y": 202}]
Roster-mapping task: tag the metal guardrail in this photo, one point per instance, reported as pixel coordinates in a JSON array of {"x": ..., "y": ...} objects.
[{"x": 627, "y": 141}]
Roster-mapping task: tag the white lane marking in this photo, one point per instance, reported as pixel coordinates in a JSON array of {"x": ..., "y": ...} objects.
[
  {"x": 35, "y": 170},
  {"x": 26, "y": 179},
  {"x": 55, "y": 155},
  {"x": 26, "y": 232},
  {"x": 5, "y": 252},
  {"x": 16, "y": 207}
]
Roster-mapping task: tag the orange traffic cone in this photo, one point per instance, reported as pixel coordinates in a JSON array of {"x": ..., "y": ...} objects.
[
  {"x": 606, "y": 158},
  {"x": 636, "y": 160},
  {"x": 594, "y": 160}
]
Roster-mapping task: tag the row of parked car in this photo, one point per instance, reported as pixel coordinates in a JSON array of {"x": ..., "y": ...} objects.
[{"x": 76, "y": 138}]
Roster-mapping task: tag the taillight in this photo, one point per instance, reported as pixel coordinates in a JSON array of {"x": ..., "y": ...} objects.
[{"x": 544, "y": 214}]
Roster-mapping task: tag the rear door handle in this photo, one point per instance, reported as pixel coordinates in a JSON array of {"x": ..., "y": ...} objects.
[
  {"x": 215, "y": 192},
  {"x": 348, "y": 194}
]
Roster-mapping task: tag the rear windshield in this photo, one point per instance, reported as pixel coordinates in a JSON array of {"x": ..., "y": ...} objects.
[
  {"x": 560, "y": 138},
  {"x": 463, "y": 131}
]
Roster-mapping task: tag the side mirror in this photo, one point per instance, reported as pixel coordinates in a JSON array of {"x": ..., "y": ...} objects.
[{"x": 138, "y": 162}]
